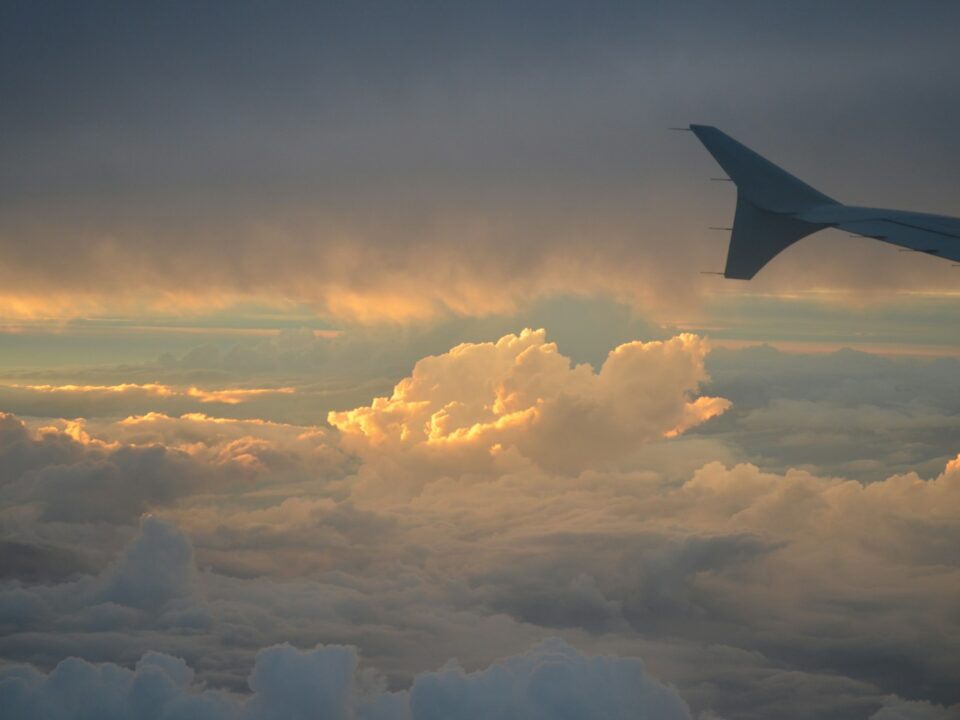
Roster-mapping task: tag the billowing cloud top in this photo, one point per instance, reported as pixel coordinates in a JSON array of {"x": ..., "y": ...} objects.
[
  {"x": 521, "y": 395},
  {"x": 499, "y": 496}
]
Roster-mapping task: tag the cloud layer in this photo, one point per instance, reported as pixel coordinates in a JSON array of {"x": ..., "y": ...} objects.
[
  {"x": 470, "y": 515},
  {"x": 308, "y": 154},
  {"x": 551, "y": 680}
]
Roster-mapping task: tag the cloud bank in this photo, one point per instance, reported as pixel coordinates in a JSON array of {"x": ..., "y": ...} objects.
[
  {"x": 309, "y": 155},
  {"x": 439, "y": 522},
  {"x": 551, "y": 680}
]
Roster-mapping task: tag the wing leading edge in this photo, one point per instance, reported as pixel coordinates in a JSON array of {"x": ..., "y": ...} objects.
[{"x": 775, "y": 209}]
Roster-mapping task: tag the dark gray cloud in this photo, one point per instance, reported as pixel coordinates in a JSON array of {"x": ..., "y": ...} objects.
[
  {"x": 604, "y": 584},
  {"x": 414, "y": 599},
  {"x": 154, "y": 585},
  {"x": 60, "y": 474},
  {"x": 79, "y": 482},
  {"x": 324, "y": 152},
  {"x": 31, "y": 563}
]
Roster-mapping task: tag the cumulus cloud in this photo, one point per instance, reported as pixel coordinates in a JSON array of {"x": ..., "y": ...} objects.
[
  {"x": 158, "y": 687},
  {"x": 551, "y": 680},
  {"x": 739, "y": 584},
  {"x": 69, "y": 476},
  {"x": 153, "y": 582},
  {"x": 74, "y": 471},
  {"x": 157, "y": 567},
  {"x": 520, "y": 394},
  {"x": 734, "y": 554}
]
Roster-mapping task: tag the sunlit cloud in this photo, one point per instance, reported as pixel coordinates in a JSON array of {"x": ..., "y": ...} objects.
[
  {"x": 234, "y": 396},
  {"x": 500, "y": 494},
  {"x": 521, "y": 394}
]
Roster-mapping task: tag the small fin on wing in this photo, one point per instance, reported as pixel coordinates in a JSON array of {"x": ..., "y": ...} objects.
[{"x": 768, "y": 197}]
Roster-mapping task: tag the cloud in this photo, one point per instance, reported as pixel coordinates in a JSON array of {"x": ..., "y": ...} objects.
[
  {"x": 290, "y": 684},
  {"x": 551, "y": 680},
  {"x": 145, "y": 462},
  {"x": 899, "y": 709},
  {"x": 733, "y": 554},
  {"x": 153, "y": 580},
  {"x": 75, "y": 478},
  {"x": 112, "y": 401},
  {"x": 265, "y": 187},
  {"x": 520, "y": 394},
  {"x": 157, "y": 568},
  {"x": 232, "y": 396},
  {"x": 426, "y": 527},
  {"x": 844, "y": 413},
  {"x": 32, "y": 563},
  {"x": 157, "y": 688}
]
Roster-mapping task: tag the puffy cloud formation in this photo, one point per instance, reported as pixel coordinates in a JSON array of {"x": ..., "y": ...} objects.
[
  {"x": 153, "y": 583},
  {"x": 159, "y": 687},
  {"x": 741, "y": 584},
  {"x": 68, "y": 476},
  {"x": 520, "y": 394},
  {"x": 157, "y": 567},
  {"x": 551, "y": 680},
  {"x": 74, "y": 471}
]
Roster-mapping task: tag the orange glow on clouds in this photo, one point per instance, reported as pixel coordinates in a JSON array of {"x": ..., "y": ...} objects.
[
  {"x": 227, "y": 397},
  {"x": 521, "y": 393}
]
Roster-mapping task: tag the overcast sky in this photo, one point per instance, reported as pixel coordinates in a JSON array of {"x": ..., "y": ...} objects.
[{"x": 357, "y": 157}]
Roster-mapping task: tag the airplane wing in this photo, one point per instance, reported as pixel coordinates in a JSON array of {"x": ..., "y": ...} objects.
[
  {"x": 775, "y": 209},
  {"x": 936, "y": 235}
]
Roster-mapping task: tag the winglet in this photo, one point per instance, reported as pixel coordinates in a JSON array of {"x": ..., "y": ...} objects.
[{"x": 768, "y": 198}]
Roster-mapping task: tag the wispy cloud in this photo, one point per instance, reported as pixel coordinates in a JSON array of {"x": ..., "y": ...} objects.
[{"x": 232, "y": 396}]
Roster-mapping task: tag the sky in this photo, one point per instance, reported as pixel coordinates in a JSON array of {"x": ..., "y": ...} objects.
[{"x": 357, "y": 361}]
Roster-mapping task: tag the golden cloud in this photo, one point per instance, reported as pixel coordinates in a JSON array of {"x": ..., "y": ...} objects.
[
  {"x": 521, "y": 394},
  {"x": 234, "y": 396}
]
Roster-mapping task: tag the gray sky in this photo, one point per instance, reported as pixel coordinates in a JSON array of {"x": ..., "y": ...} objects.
[{"x": 429, "y": 156}]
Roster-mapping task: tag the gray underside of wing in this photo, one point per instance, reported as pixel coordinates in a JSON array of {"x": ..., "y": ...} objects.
[
  {"x": 775, "y": 209},
  {"x": 936, "y": 235}
]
